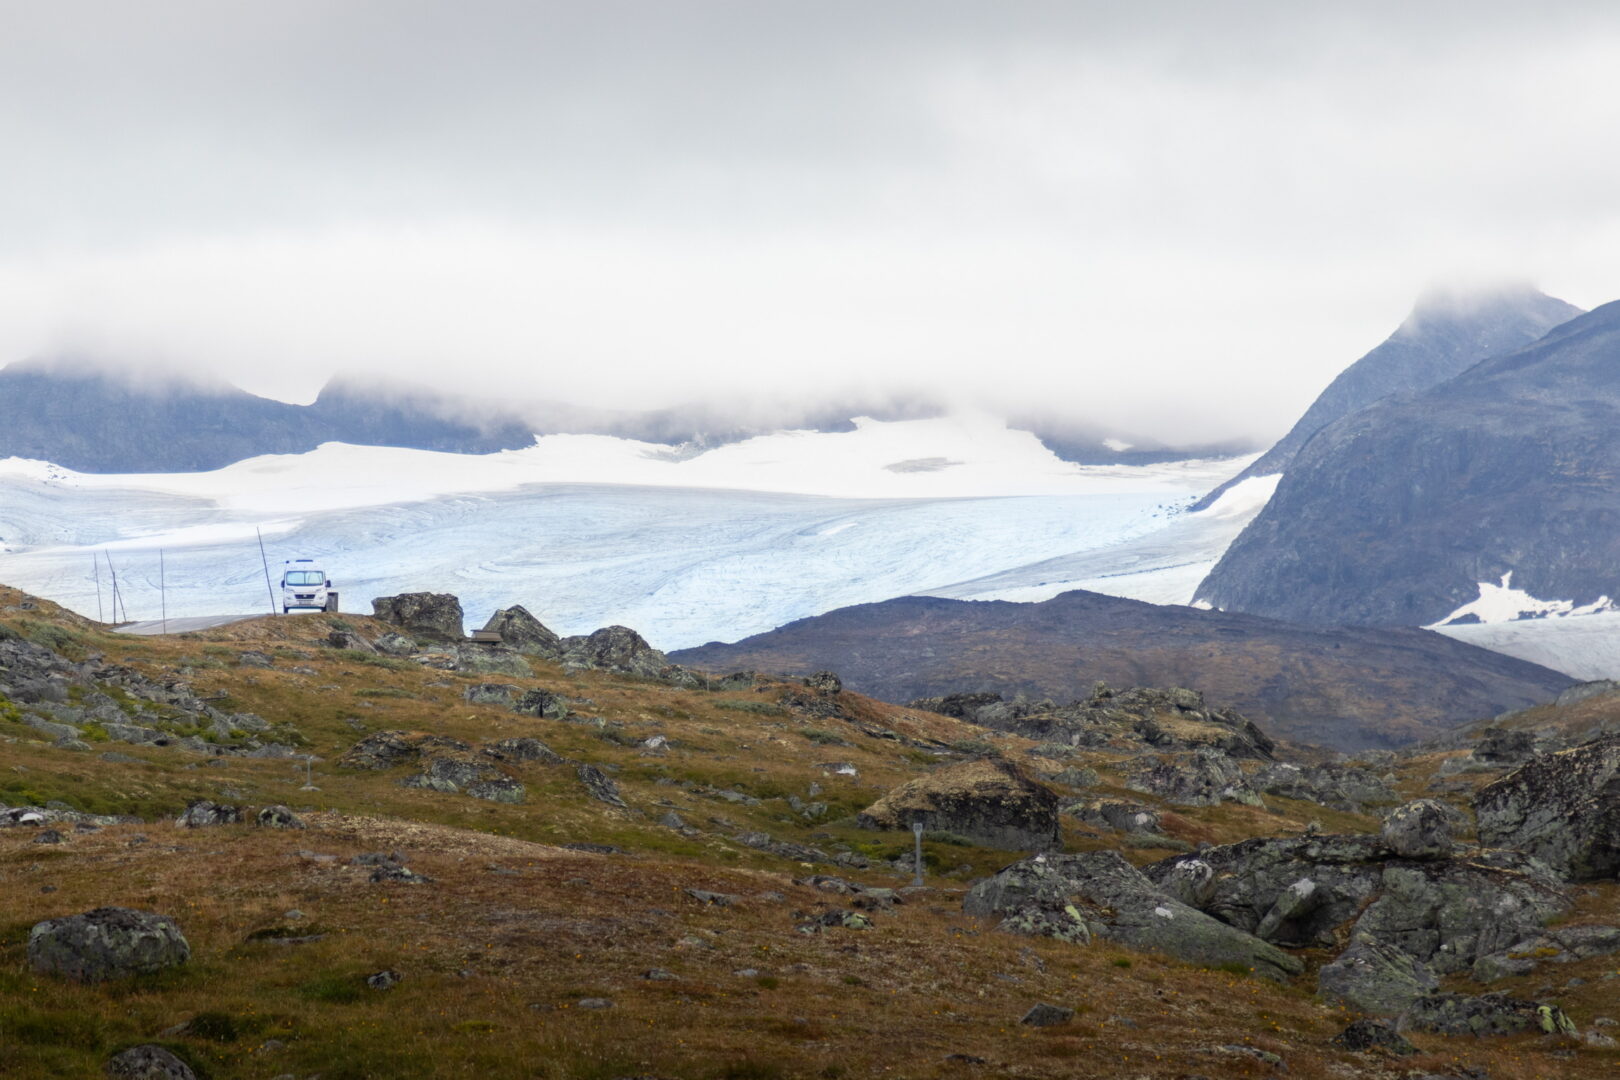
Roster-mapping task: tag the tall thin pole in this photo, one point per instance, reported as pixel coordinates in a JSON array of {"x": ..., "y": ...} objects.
[
  {"x": 96, "y": 568},
  {"x": 266, "y": 561},
  {"x": 113, "y": 570},
  {"x": 163, "y": 591}
]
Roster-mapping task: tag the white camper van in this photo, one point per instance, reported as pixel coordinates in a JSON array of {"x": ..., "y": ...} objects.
[{"x": 305, "y": 585}]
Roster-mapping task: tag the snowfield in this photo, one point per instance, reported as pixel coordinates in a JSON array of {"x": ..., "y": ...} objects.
[{"x": 588, "y": 531}]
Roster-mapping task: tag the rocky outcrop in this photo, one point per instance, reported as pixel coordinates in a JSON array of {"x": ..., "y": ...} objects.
[
  {"x": 204, "y": 813},
  {"x": 424, "y": 616},
  {"x": 491, "y": 694},
  {"x": 521, "y": 631},
  {"x": 386, "y": 749},
  {"x": 615, "y": 648},
  {"x": 1337, "y": 787},
  {"x": 542, "y": 703},
  {"x": 1118, "y": 903},
  {"x": 1487, "y": 1014},
  {"x": 1201, "y": 778},
  {"x": 107, "y": 943},
  {"x": 1563, "y": 808},
  {"x": 995, "y": 803},
  {"x": 1375, "y": 978},
  {"x": 460, "y": 771}
]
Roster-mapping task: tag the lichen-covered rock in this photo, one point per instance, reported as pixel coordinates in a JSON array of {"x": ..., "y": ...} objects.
[
  {"x": 1375, "y": 978},
  {"x": 489, "y": 660},
  {"x": 386, "y": 749},
  {"x": 522, "y": 749},
  {"x": 615, "y": 648},
  {"x": 599, "y": 786},
  {"x": 147, "y": 1062},
  {"x": 522, "y": 631},
  {"x": 1500, "y": 746},
  {"x": 1201, "y": 778},
  {"x": 1563, "y": 808},
  {"x": 396, "y": 645},
  {"x": 472, "y": 775},
  {"x": 1419, "y": 830},
  {"x": 1366, "y": 1034},
  {"x": 542, "y": 703},
  {"x": 204, "y": 813},
  {"x": 107, "y": 943},
  {"x": 348, "y": 639},
  {"x": 425, "y": 616},
  {"x": 1338, "y": 787},
  {"x": 1119, "y": 903},
  {"x": 1559, "y": 945},
  {"x": 1121, "y": 814},
  {"x": 824, "y": 682},
  {"x": 1487, "y": 1014},
  {"x": 491, "y": 694},
  {"x": 1061, "y": 924},
  {"x": 278, "y": 817},
  {"x": 995, "y": 803}
]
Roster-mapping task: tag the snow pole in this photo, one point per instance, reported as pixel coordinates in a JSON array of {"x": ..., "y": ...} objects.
[
  {"x": 95, "y": 568},
  {"x": 266, "y": 561},
  {"x": 116, "y": 596},
  {"x": 163, "y": 591}
]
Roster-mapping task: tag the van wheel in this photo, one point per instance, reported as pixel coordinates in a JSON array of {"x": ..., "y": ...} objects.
[{"x": 284, "y": 609}]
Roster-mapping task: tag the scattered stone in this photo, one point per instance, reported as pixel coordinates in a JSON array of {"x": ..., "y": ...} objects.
[
  {"x": 396, "y": 645},
  {"x": 593, "y": 1003},
  {"x": 348, "y": 639},
  {"x": 50, "y": 836},
  {"x": 523, "y": 749},
  {"x": 254, "y": 658},
  {"x": 107, "y": 943},
  {"x": 994, "y": 803},
  {"x": 426, "y": 616},
  {"x": 278, "y": 817},
  {"x": 714, "y": 899},
  {"x": 1419, "y": 830},
  {"x": 147, "y": 1062},
  {"x": 384, "y": 980},
  {"x": 205, "y": 813},
  {"x": 1488, "y": 1014},
  {"x": 599, "y": 786},
  {"x": 1044, "y": 1015},
  {"x": 615, "y": 648},
  {"x": 659, "y": 975},
  {"x": 1363, "y": 1035},
  {"x": 1121, "y": 814}
]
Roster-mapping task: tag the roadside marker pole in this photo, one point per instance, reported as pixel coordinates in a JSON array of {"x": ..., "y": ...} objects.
[
  {"x": 263, "y": 559},
  {"x": 163, "y": 591},
  {"x": 96, "y": 569}
]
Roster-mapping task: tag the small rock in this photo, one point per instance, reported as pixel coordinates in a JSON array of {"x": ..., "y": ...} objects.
[
  {"x": 658, "y": 975},
  {"x": 593, "y": 1003},
  {"x": 1419, "y": 830},
  {"x": 254, "y": 658},
  {"x": 1044, "y": 1015},
  {"x": 384, "y": 980},
  {"x": 203, "y": 813},
  {"x": 49, "y": 836},
  {"x": 1373, "y": 1035},
  {"x": 824, "y": 682},
  {"x": 599, "y": 786},
  {"x": 278, "y": 817},
  {"x": 147, "y": 1063},
  {"x": 714, "y": 899}
]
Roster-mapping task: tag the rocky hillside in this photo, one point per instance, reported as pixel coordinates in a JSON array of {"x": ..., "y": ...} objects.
[
  {"x": 1396, "y": 514},
  {"x": 366, "y": 847},
  {"x": 1346, "y": 688},
  {"x": 1445, "y": 335}
]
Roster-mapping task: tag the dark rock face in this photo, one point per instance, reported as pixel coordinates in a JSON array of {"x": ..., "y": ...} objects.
[
  {"x": 203, "y": 813},
  {"x": 427, "y": 616},
  {"x": 615, "y": 648},
  {"x": 521, "y": 631},
  {"x": 1394, "y": 515},
  {"x": 599, "y": 786},
  {"x": 1119, "y": 903},
  {"x": 1364, "y": 1035},
  {"x": 107, "y": 943},
  {"x": 147, "y": 1063},
  {"x": 995, "y": 803},
  {"x": 1419, "y": 830},
  {"x": 1375, "y": 978},
  {"x": 1044, "y": 1015},
  {"x": 1441, "y": 338},
  {"x": 1501, "y": 747},
  {"x": 1352, "y": 689},
  {"x": 1488, "y": 1014},
  {"x": 1563, "y": 808}
]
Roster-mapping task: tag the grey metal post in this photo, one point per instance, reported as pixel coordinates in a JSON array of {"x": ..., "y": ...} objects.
[
  {"x": 917, "y": 863},
  {"x": 163, "y": 591}
]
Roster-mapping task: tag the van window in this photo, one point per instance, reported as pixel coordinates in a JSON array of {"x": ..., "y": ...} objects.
[{"x": 305, "y": 577}]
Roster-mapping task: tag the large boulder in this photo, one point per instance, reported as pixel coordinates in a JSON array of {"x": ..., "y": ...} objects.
[
  {"x": 1419, "y": 830},
  {"x": 1375, "y": 978},
  {"x": 107, "y": 943},
  {"x": 1119, "y": 903},
  {"x": 615, "y": 648},
  {"x": 425, "y": 616},
  {"x": 1563, "y": 808},
  {"x": 521, "y": 631},
  {"x": 1201, "y": 778},
  {"x": 147, "y": 1062},
  {"x": 995, "y": 803}
]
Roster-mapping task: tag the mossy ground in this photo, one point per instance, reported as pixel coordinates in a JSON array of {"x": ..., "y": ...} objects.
[{"x": 515, "y": 930}]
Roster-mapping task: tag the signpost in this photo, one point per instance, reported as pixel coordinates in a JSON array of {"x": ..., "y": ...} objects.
[{"x": 917, "y": 831}]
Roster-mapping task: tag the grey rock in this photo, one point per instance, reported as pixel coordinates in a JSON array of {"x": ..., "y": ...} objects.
[
  {"x": 425, "y": 616},
  {"x": 599, "y": 786},
  {"x": 593, "y": 1003},
  {"x": 1419, "y": 830},
  {"x": 522, "y": 631},
  {"x": 348, "y": 639},
  {"x": 1119, "y": 903},
  {"x": 522, "y": 749},
  {"x": 147, "y": 1062},
  {"x": 824, "y": 682},
  {"x": 204, "y": 813},
  {"x": 384, "y": 980},
  {"x": 491, "y": 694},
  {"x": 49, "y": 836},
  {"x": 1061, "y": 924},
  {"x": 1498, "y": 746},
  {"x": 1121, "y": 814},
  {"x": 1201, "y": 778},
  {"x": 254, "y": 658},
  {"x": 1375, "y": 978},
  {"x": 1338, "y": 787},
  {"x": 542, "y": 703},
  {"x": 992, "y": 802},
  {"x": 462, "y": 772},
  {"x": 490, "y": 660},
  {"x": 1563, "y": 808},
  {"x": 1488, "y": 1014},
  {"x": 396, "y": 645},
  {"x": 1044, "y": 1015},
  {"x": 107, "y": 943},
  {"x": 386, "y": 749},
  {"x": 615, "y": 648},
  {"x": 1364, "y": 1035},
  {"x": 278, "y": 817}
]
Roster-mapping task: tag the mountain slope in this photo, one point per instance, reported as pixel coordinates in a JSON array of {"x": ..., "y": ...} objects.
[
  {"x": 1349, "y": 688},
  {"x": 1445, "y": 334},
  {"x": 1395, "y": 515}
]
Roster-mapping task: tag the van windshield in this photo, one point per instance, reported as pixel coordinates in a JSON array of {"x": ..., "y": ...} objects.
[{"x": 305, "y": 577}]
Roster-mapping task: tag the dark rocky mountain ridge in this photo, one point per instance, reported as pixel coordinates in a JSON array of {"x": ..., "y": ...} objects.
[
  {"x": 1445, "y": 335},
  {"x": 1394, "y": 515},
  {"x": 1343, "y": 687}
]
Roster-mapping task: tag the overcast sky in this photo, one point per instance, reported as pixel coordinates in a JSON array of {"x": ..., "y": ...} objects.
[{"x": 1186, "y": 217}]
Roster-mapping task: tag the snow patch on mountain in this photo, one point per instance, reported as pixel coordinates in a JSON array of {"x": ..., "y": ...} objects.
[
  {"x": 1583, "y": 647},
  {"x": 1503, "y": 603}
]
